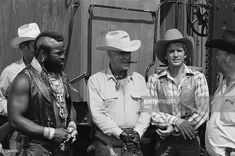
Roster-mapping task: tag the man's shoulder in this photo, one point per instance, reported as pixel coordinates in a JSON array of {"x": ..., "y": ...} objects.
[
  {"x": 27, "y": 71},
  {"x": 11, "y": 70},
  {"x": 159, "y": 73},
  {"x": 10, "y": 67},
  {"x": 137, "y": 75},
  {"x": 98, "y": 75},
  {"x": 196, "y": 71}
]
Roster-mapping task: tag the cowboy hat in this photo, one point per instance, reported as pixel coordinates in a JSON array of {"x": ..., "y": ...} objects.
[
  {"x": 119, "y": 41},
  {"x": 26, "y": 32},
  {"x": 173, "y": 35},
  {"x": 226, "y": 42}
]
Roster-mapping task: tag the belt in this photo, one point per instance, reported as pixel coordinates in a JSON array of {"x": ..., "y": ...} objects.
[{"x": 110, "y": 140}]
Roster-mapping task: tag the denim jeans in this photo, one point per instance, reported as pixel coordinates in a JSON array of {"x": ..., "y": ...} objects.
[
  {"x": 97, "y": 148},
  {"x": 178, "y": 146}
]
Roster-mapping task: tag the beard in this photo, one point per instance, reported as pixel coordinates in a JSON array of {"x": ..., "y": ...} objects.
[{"x": 53, "y": 67}]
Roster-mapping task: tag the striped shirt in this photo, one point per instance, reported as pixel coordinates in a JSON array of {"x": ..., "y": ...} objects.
[{"x": 201, "y": 113}]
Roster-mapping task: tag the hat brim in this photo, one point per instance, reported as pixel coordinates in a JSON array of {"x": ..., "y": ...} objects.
[
  {"x": 15, "y": 42},
  {"x": 133, "y": 46},
  {"x": 221, "y": 44},
  {"x": 161, "y": 44}
]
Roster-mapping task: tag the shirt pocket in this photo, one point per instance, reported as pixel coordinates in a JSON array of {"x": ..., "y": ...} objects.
[
  {"x": 109, "y": 98},
  {"x": 136, "y": 96},
  {"x": 228, "y": 112}
]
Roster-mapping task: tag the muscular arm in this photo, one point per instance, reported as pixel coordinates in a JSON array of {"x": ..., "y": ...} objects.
[{"x": 17, "y": 106}]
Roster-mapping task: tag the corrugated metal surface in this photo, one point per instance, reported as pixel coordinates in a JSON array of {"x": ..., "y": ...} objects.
[
  {"x": 49, "y": 15},
  {"x": 55, "y": 15}
]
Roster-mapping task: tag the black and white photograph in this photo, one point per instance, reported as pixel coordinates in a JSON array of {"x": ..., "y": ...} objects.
[{"x": 117, "y": 77}]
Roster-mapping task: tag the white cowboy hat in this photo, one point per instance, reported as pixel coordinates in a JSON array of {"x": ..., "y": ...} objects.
[
  {"x": 26, "y": 32},
  {"x": 119, "y": 41},
  {"x": 173, "y": 35}
]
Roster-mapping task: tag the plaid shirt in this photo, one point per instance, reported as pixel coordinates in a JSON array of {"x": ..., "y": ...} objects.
[{"x": 200, "y": 115}]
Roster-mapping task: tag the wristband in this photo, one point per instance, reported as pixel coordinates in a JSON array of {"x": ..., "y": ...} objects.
[
  {"x": 52, "y": 133},
  {"x": 46, "y": 132}
]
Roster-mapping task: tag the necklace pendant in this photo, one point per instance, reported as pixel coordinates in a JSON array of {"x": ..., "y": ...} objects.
[{"x": 62, "y": 113}]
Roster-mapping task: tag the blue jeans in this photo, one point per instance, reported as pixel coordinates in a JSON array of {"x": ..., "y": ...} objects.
[
  {"x": 97, "y": 148},
  {"x": 178, "y": 146},
  {"x": 36, "y": 149}
]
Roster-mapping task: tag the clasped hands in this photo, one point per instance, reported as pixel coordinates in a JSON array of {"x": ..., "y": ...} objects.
[
  {"x": 186, "y": 128},
  {"x": 131, "y": 141},
  {"x": 63, "y": 136},
  {"x": 183, "y": 126}
]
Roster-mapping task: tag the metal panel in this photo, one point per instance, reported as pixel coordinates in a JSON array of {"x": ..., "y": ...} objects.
[{"x": 49, "y": 15}]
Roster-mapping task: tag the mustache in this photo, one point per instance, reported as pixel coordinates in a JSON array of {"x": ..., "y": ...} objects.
[{"x": 132, "y": 62}]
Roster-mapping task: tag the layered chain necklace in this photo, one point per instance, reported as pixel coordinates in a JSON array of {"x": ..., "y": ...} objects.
[{"x": 57, "y": 87}]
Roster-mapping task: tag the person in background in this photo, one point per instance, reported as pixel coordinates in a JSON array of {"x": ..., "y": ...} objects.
[
  {"x": 220, "y": 138},
  {"x": 39, "y": 102},
  {"x": 25, "y": 41},
  {"x": 114, "y": 98},
  {"x": 182, "y": 97}
]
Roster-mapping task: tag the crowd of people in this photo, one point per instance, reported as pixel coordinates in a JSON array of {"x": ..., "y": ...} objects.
[{"x": 36, "y": 110}]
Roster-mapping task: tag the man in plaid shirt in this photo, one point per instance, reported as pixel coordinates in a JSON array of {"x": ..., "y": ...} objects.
[{"x": 182, "y": 97}]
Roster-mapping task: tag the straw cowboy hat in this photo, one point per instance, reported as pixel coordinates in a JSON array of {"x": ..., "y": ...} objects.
[
  {"x": 119, "y": 41},
  {"x": 173, "y": 35},
  {"x": 26, "y": 32},
  {"x": 226, "y": 42}
]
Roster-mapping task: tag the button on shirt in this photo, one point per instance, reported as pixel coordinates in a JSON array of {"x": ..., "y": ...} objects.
[
  {"x": 173, "y": 90},
  {"x": 113, "y": 108},
  {"x": 7, "y": 76},
  {"x": 220, "y": 128}
]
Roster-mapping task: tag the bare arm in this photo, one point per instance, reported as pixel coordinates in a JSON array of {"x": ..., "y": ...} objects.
[{"x": 17, "y": 106}]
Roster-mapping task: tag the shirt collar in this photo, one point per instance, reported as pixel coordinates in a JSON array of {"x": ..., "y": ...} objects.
[
  {"x": 188, "y": 71},
  {"x": 223, "y": 85},
  {"x": 109, "y": 74},
  {"x": 36, "y": 65}
]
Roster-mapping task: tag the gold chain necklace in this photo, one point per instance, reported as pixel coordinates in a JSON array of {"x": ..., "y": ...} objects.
[{"x": 58, "y": 91}]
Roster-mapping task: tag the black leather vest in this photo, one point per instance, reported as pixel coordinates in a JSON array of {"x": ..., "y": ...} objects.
[{"x": 40, "y": 109}]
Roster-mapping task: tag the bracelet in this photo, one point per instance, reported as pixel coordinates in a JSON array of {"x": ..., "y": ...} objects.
[
  {"x": 46, "y": 132},
  {"x": 52, "y": 133}
]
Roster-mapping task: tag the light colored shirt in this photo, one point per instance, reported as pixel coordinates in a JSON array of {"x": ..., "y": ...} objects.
[
  {"x": 7, "y": 76},
  {"x": 220, "y": 130},
  {"x": 174, "y": 90},
  {"x": 113, "y": 108}
]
